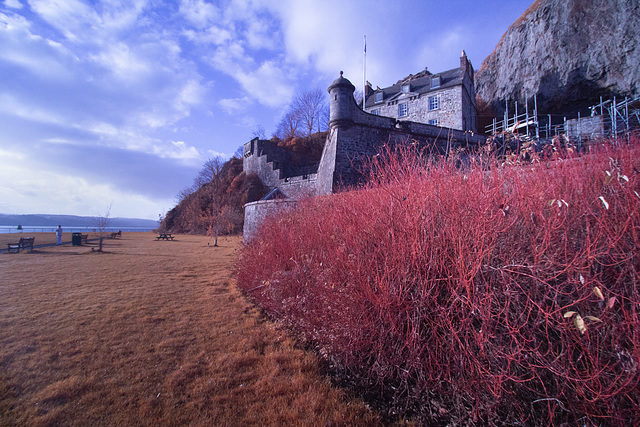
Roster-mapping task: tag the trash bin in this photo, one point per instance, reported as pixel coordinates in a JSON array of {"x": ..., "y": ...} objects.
[{"x": 76, "y": 239}]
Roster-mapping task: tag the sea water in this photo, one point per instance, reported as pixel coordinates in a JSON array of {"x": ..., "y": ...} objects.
[{"x": 67, "y": 229}]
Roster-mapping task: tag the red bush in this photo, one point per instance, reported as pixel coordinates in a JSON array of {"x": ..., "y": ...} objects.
[{"x": 463, "y": 291}]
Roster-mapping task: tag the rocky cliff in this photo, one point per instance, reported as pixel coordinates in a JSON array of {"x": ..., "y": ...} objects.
[{"x": 568, "y": 53}]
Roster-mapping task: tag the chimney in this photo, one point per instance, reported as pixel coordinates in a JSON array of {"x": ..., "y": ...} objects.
[
  {"x": 463, "y": 60},
  {"x": 368, "y": 90}
]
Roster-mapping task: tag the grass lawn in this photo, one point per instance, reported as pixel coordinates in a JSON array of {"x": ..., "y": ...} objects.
[{"x": 150, "y": 333}]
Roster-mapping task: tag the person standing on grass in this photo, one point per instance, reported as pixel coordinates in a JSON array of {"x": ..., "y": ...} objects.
[{"x": 59, "y": 235}]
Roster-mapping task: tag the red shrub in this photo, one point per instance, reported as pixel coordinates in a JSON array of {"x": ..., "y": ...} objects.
[{"x": 458, "y": 291}]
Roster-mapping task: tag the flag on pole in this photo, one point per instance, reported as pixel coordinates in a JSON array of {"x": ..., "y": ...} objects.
[{"x": 364, "y": 73}]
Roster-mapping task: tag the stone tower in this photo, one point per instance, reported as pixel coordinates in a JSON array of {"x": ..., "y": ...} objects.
[{"x": 341, "y": 103}]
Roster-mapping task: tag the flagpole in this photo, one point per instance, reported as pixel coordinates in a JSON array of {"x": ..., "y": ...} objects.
[{"x": 364, "y": 74}]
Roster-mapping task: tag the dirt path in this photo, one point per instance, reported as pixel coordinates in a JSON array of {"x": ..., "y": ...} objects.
[{"x": 149, "y": 333}]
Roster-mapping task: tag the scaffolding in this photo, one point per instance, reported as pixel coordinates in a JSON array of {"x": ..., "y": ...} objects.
[
  {"x": 609, "y": 119},
  {"x": 620, "y": 116}
]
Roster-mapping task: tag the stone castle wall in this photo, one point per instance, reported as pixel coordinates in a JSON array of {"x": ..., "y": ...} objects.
[
  {"x": 269, "y": 162},
  {"x": 449, "y": 112},
  {"x": 354, "y": 137},
  {"x": 256, "y": 212}
]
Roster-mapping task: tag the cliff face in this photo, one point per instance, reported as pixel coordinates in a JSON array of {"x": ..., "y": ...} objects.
[{"x": 568, "y": 53}]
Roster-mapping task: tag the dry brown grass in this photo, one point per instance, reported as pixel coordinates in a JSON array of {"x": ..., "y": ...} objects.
[{"x": 150, "y": 333}]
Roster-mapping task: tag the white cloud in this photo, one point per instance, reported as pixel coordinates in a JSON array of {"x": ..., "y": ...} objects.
[
  {"x": 337, "y": 49},
  {"x": 13, "y": 4},
  {"x": 45, "y": 192},
  {"x": 20, "y": 47},
  {"x": 190, "y": 94},
  {"x": 11, "y": 106},
  {"x": 11, "y": 155},
  {"x": 124, "y": 63},
  {"x": 262, "y": 33},
  {"x": 234, "y": 105},
  {"x": 211, "y": 35},
  {"x": 72, "y": 18},
  {"x": 199, "y": 13},
  {"x": 177, "y": 150},
  {"x": 444, "y": 45},
  {"x": 269, "y": 84}
]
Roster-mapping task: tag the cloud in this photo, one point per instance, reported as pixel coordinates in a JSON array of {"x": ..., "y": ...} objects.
[
  {"x": 72, "y": 18},
  {"x": 39, "y": 56},
  {"x": 269, "y": 84},
  {"x": 53, "y": 193},
  {"x": 234, "y": 105},
  {"x": 211, "y": 35},
  {"x": 13, "y": 4},
  {"x": 199, "y": 13},
  {"x": 122, "y": 62},
  {"x": 177, "y": 150},
  {"x": 11, "y": 106},
  {"x": 64, "y": 180},
  {"x": 442, "y": 45}
]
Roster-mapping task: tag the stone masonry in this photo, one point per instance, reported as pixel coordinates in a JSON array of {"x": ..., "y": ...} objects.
[
  {"x": 354, "y": 136},
  {"x": 446, "y": 99}
]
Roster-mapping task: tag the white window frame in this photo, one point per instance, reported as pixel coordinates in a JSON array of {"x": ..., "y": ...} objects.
[
  {"x": 434, "y": 102},
  {"x": 404, "y": 106},
  {"x": 375, "y": 111},
  {"x": 379, "y": 97},
  {"x": 406, "y": 88},
  {"x": 435, "y": 82},
  {"x": 434, "y": 122}
]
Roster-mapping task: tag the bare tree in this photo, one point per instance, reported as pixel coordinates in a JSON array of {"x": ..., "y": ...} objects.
[
  {"x": 182, "y": 194},
  {"x": 101, "y": 223},
  {"x": 357, "y": 96},
  {"x": 308, "y": 113},
  {"x": 210, "y": 171},
  {"x": 308, "y": 106},
  {"x": 219, "y": 219},
  {"x": 239, "y": 153},
  {"x": 323, "y": 123},
  {"x": 259, "y": 132},
  {"x": 289, "y": 126}
]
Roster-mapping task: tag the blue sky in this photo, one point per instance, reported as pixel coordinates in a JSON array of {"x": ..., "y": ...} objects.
[{"x": 120, "y": 102}]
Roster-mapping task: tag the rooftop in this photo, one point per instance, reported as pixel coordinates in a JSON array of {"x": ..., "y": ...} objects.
[{"x": 420, "y": 83}]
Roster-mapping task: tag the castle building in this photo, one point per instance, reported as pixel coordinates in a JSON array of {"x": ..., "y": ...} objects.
[
  {"x": 354, "y": 137},
  {"x": 445, "y": 99}
]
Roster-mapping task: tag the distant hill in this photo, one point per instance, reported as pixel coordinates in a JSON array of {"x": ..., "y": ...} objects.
[{"x": 71, "y": 220}]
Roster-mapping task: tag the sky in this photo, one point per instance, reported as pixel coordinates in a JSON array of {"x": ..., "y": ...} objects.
[{"x": 119, "y": 103}]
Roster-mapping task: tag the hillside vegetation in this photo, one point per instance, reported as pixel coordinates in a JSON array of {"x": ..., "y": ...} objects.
[
  {"x": 220, "y": 191},
  {"x": 495, "y": 294}
]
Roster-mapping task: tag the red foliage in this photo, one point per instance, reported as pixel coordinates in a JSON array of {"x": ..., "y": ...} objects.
[
  {"x": 449, "y": 293},
  {"x": 232, "y": 191},
  {"x": 305, "y": 150}
]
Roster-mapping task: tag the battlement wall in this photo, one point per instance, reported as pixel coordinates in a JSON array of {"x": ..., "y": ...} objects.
[{"x": 356, "y": 136}]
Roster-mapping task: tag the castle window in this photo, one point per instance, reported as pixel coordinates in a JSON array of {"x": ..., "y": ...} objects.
[
  {"x": 435, "y": 82},
  {"x": 433, "y": 122},
  {"x": 434, "y": 102},
  {"x": 403, "y": 110},
  {"x": 379, "y": 96},
  {"x": 375, "y": 112},
  {"x": 406, "y": 88}
]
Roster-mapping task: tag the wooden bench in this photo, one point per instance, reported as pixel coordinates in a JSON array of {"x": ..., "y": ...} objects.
[
  {"x": 84, "y": 238},
  {"x": 24, "y": 243},
  {"x": 116, "y": 235},
  {"x": 165, "y": 236}
]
